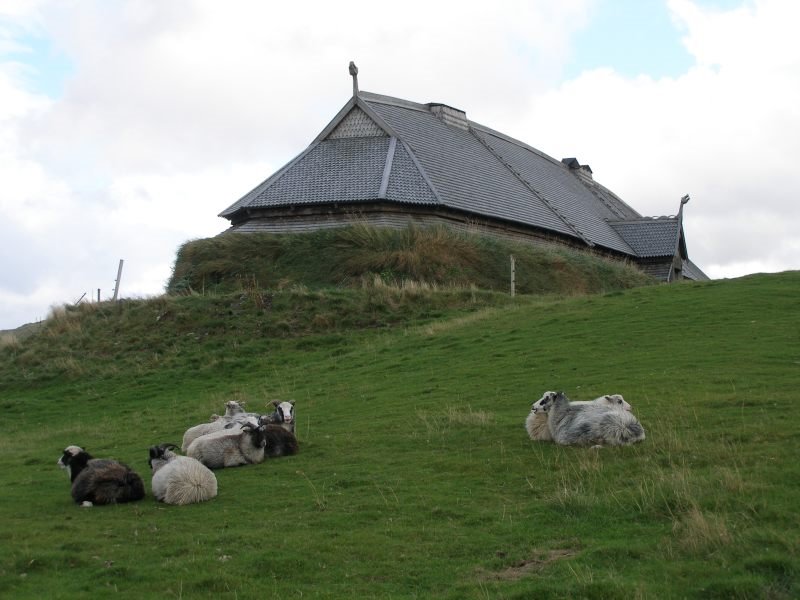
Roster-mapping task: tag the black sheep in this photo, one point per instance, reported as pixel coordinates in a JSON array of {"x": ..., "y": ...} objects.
[{"x": 100, "y": 480}]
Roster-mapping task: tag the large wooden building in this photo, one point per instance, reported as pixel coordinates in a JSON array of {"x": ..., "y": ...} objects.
[{"x": 390, "y": 162}]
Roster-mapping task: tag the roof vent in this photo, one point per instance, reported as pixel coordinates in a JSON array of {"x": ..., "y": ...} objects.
[
  {"x": 582, "y": 171},
  {"x": 451, "y": 116}
]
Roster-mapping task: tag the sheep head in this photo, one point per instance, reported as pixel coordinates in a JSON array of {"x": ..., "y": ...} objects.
[
  {"x": 284, "y": 411},
  {"x": 162, "y": 452},
  {"x": 73, "y": 460},
  {"x": 257, "y": 432},
  {"x": 544, "y": 403},
  {"x": 617, "y": 401}
]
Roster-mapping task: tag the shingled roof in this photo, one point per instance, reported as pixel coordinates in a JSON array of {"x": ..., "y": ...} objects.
[{"x": 384, "y": 149}]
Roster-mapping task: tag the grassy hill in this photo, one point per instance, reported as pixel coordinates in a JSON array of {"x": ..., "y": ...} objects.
[
  {"x": 415, "y": 477},
  {"x": 344, "y": 257}
]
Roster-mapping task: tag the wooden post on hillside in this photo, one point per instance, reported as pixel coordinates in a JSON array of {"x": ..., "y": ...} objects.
[
  {"x": 513, "y": 276},
  {"x": 98, "y": 295},
  {"x": 116, "y": 284}
]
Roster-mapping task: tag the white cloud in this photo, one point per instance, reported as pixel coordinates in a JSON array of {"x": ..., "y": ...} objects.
[{"x": 727, "y": 132}]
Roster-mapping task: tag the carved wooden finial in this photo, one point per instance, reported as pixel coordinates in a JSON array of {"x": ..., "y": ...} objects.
[{"x": 354, "y": 73}]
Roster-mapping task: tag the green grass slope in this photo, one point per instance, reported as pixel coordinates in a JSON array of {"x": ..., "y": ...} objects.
[
  {"x": 342, "y": 257},
  {"x": 415, "y": 477}
]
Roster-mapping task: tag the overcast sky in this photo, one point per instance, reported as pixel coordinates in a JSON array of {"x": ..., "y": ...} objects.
[{"x": 127, "y": 126}]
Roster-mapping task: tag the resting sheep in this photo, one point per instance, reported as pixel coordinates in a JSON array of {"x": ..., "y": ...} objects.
[
  {"x": 279, "y": 441},
  {"x": 536, "y": 424},
  {"x": 99, "y": 480},
  {"x": 180, "y": 479},
  {"x": 241, "y": 445},
  {"x": 587, "y": 424},
  {"x": 234, "y": 413}
]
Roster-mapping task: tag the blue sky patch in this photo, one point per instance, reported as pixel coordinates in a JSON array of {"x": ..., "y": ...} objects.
[
  {"x": 634, "y": 37},
  {"x": 46, "y": 67}
]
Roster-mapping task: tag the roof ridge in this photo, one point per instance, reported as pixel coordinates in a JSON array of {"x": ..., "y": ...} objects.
[
  {"x": 514, "y": 141},
  {"x": 392, "y": 101}
]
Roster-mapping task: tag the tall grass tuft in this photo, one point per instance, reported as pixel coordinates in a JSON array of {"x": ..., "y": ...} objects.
[{"x": 9, "y": 341}]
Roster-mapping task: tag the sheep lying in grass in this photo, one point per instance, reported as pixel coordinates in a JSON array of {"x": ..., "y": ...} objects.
[
  {"x": 279, "y": 440},
  {"x": 234, "y": 415},
  {"x": 180, "y": 479},
  {"x": 536, "y": 423},
  {"x": 99, "y": 480},
  {"x": 587, "y": 424},
  {"x": 241, "y": 445}
]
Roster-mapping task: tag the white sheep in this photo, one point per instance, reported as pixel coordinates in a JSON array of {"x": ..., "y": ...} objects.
[
  {"x": 536, "y": 423},
  {"x": 99, "y": 480},
  {"x": 180, "y": 479},
  {"x": 587, "y": 424},
  {"x": 232, "y": 447},
  {"x": 234, "y": 413}
]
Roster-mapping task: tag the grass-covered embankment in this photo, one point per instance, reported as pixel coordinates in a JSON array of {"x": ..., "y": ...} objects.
[{"x": 342, "y": 257}]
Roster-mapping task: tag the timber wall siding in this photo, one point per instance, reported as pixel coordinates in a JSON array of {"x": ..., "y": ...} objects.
[{"x": 312, "y": 218}]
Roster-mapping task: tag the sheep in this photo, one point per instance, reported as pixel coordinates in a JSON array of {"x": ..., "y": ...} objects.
[
  {"x": 536, "y": 424},
  {"x": 587, "y": 424},
  {"x": 234, "y": 413},
  {"x": 285, "y": 413},
  {"x": 230, "y": 447},
  {"x": 279, "y": 441},
  {"x": 179, "y": 479},
  {"x": 99, "y": 480}
]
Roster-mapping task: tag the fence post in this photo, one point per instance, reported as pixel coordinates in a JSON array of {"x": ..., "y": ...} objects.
[
  {"x": 513, "y": 276},
  {"x": 119, "y": 276}
]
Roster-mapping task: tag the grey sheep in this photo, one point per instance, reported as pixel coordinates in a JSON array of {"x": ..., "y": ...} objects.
[
  {"x": 573, "y": 424},
  {"x": 234, "y": 413},
  {"x": 536, "y": 423},
  {"x": 241, "y": 445},
  {"x": 180, "y": 479},
  {"x": 99, "y": 480}
]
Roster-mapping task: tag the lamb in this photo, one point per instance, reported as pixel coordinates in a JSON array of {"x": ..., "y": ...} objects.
[
  {"x": 99, "y": 480},
  {"x": 234, "y": 413},
  {"x": 230, "y": 447},
  {"x": 179, "y": 479},
  {"x": 536, "y": 423},
  {"x": 588, "y": 424}
]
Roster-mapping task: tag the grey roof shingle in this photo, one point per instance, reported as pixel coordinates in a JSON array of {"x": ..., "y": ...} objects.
[
  {"x": 463, "y": 171},
  {"x": 340, "y": 170},
  {"x": 650, "y": 237}
]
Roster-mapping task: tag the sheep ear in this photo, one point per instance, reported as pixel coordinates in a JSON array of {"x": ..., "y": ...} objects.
[
  {"x": 275, "y": 403},
  {"x": 291, "y": 402}
]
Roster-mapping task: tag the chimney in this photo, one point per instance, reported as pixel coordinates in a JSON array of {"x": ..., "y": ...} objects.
[
  {"x": 451, "y": 116},
  {"x": 582, "y": 171}
]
